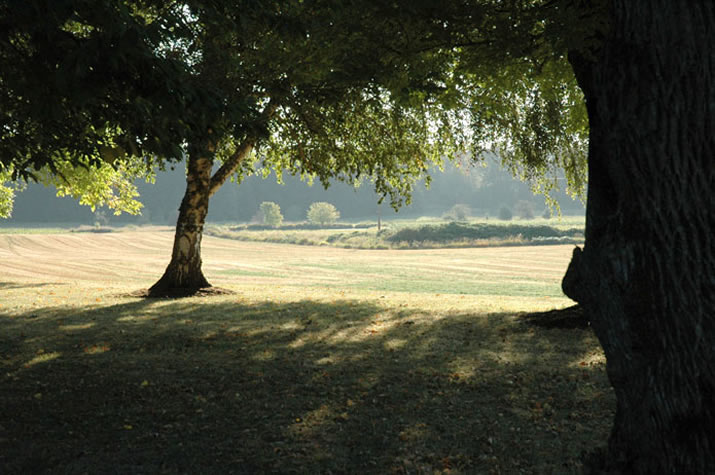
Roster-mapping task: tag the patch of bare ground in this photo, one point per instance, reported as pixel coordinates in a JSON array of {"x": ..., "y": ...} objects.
[
  {"x": 179, "y": 293},
  {"x": 283, "y": 378}
]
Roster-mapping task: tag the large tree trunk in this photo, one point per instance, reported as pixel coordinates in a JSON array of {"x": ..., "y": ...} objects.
[
  {"x": 183, "y": 275},
  {"x": 646, "y": 276}
]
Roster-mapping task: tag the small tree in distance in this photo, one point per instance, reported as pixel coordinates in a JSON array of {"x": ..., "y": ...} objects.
[
  {"x": 271, "y": 213},
  {"x": 322, "y": 213},
  {"x": 458, "y": 212},
  {"x": 504, "y": 213},
  {"x": 524, "y": 210}
]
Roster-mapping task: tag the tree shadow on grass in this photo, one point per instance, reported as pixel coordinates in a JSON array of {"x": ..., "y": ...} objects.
[
  {"x": 208, "y": 386},
  {"x": 16, "y": 285},
  {"x": 568, "y": 318}
]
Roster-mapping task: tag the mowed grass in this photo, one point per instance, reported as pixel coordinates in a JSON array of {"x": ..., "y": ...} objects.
[
  {"x": 33, "y": 230},
  {"x": 415, "y": 278},
  {"x": 322, "y": 361}
]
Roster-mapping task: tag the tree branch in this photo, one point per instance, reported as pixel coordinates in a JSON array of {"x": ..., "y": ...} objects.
[{"x": 243, "y": 150}]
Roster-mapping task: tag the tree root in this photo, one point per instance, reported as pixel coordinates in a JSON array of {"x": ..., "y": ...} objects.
[{"x": 178, "y": 293}]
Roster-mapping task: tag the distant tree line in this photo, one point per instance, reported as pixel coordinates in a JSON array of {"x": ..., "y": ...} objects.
[{"x": 483, "y": 190}]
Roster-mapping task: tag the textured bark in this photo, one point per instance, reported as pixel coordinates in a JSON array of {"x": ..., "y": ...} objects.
[
  {"x": 646, "y": 276},
  {"x": 183, "y": 275}
]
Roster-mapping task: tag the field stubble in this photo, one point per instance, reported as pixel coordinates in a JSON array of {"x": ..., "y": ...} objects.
[{"x": 323, "y": 360}]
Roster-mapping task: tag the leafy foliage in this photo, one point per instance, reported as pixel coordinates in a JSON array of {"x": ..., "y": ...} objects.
[
  {"x": 88, "y": 90},
  {"x": 83, "y": 80},
  {"x": 451, "y": 232},
  {"x": 7, "y": 196},
  {"x": 322, "y": 213},
  {"x": 364, "y": 136},
  {"x": 349, "y": 91},
  {"x": 101, "y": 184}
]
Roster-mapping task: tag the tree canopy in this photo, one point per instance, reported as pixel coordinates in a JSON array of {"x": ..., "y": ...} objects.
[
  {"x": 82, "y": 77},
  {"x": 356, "y": 89}
]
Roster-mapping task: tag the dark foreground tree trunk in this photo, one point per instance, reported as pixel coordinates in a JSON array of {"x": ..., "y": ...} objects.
[
  {"x": 183, "y": 275},
  {"x": 646, "y": 276}
]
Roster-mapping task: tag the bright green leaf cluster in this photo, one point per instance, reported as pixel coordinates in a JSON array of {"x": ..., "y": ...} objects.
[
  {"x": 100, "y": 185},
  {"x": 7, "y": 195}
]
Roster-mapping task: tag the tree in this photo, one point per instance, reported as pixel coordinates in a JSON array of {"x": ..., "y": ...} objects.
[
  {"x": 646, "y": 276},
  {"x": 458, "y": 212},
  {"x": 505, "y": 213},
  {"x": 316, "y": 99},
  {"x": 322, "y": 213},
  {"x": 271, "y": 213},
  {"x": 524, "y": 210},
  {"x": 86, "y": 80},
  {"x": 333, "y": 90},
  {"x": 365, "y": 89},
  {"x": 95, "y": 94},
  {"x": 7, "y": 195}
]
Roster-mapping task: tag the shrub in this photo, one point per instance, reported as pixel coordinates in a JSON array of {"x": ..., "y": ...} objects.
[
  {"x": 524, "y": 210},
  {"x": 322, "y": 213},
  {"x": 456, "y": 232},
  {"x": 458, "y": 212},
  {"x": 504, "y": 213},
  {"x": 271, "y": 214},
  {"x": 547, "y": 214}
]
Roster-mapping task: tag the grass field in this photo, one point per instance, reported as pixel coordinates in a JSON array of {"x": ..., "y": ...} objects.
[{"x": 323, "y": 360}]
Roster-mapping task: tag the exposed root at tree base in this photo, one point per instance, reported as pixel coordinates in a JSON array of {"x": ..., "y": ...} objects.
[
  {"x": 566, "y": 318},
  {"x": 178, "y": 293}
]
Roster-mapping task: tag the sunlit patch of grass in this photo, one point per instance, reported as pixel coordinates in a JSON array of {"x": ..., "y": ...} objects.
[
  {"x": 395, "y": 343},
  {"x": 96, "y": 349},
  {"x": 591, "y": 359},
  {"x": 42, "y": 358},
  {"x": 137, "y": 318},
  {"x": 249, "y": 273},
  {"x": 77, "y": 327},
  {"x": 264, "y": 355},
  {"x": 33, "y": 230}
]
